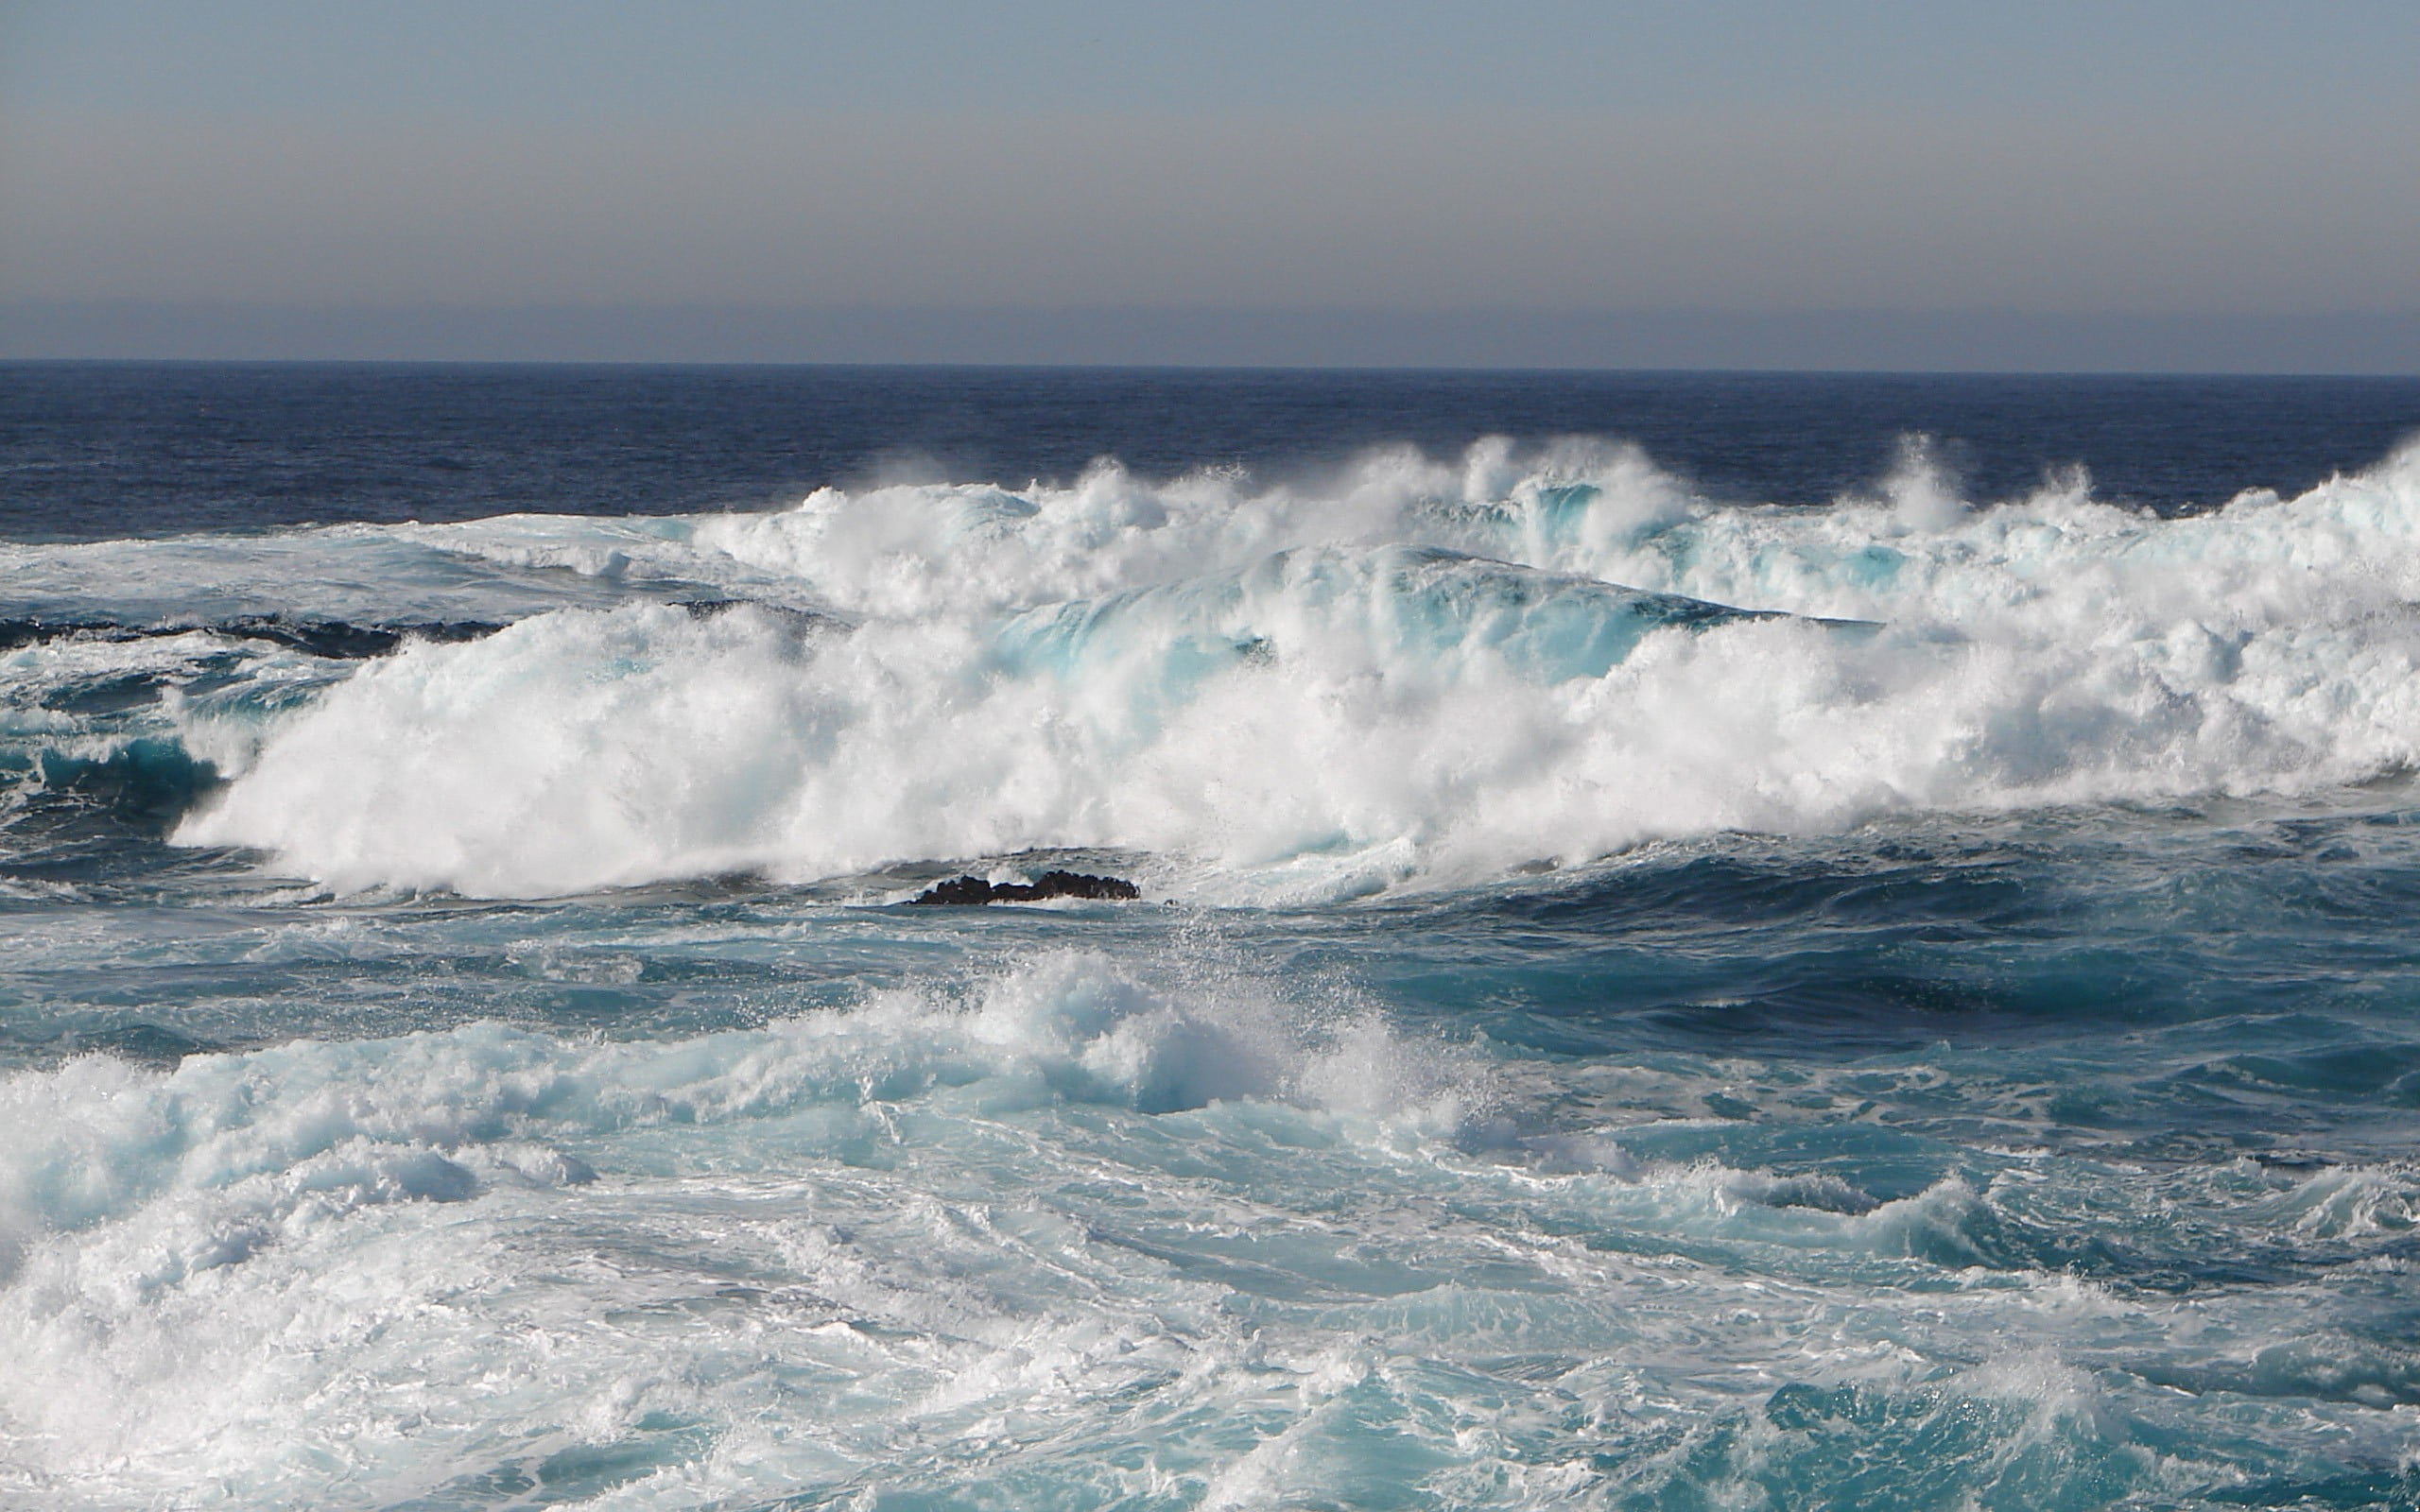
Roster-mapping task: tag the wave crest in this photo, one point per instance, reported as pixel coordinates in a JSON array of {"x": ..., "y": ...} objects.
[{"x": 1423, "y": 670}]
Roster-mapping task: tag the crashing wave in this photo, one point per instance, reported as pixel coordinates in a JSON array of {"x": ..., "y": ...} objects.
[{"x": 1416, "y": 671}]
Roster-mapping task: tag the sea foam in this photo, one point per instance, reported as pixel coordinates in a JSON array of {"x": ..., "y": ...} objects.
[
  {"x": 1107, "y": 1224},
  {"x": 1424, "y": 674}
]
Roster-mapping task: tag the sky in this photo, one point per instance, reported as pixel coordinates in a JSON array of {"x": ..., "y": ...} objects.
[{"x": 2219, "y": 184}]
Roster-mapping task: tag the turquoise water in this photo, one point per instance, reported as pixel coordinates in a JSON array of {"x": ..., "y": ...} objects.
[{"x": 1642, "y": 997}]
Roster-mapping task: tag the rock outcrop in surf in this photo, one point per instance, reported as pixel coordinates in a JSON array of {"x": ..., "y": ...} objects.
[{"x": 975, "y": 891}]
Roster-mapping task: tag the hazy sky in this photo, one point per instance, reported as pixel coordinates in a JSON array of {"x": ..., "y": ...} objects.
[{"x": 2017, "y": 185}]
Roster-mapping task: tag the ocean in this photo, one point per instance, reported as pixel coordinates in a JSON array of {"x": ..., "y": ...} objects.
[{"x": 1702, "y": 941}]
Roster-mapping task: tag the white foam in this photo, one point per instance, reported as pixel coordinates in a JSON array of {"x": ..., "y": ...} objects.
[
  {"x": 101, "y": 1137},
  {"x": 331, "y": 1261},
  {"x": 1072, "y": 1222},
  {"x": 1327, "y": 718}
]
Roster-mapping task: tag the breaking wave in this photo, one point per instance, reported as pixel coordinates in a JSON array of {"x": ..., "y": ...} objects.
[{"x": 1415, "y": 672}]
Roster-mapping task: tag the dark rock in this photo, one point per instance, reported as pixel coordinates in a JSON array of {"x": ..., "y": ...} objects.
[
  {"x": 956, "y": 892},
  {"x": 964, "y": 891},
  {"x": 1072, "y": 885}
]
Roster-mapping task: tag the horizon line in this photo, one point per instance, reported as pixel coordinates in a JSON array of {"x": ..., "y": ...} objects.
[
  {"x": 2341, "y": 343},
  {"x": 1343, "y": 368}
]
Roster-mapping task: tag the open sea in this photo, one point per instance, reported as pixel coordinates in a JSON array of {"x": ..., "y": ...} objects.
[{"x": 1704, "y": 942}]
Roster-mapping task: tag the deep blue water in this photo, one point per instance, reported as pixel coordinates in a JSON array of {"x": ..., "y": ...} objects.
[
  {"x": 1743, "y": 941},
  {"x": 97, "y": 451}
]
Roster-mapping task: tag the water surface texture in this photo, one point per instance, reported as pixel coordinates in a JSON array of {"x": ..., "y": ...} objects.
[{"x": 1743, "y": 942}]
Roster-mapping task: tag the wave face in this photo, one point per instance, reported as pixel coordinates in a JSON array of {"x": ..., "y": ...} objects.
[{"x": 1415, "y": 672}]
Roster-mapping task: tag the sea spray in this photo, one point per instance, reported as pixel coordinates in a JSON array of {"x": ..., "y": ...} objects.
[{"x": 1345, "y": 717}]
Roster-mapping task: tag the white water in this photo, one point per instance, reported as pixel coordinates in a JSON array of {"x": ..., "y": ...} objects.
[
  {"x": 1412, "y": 673},
  {"x": 1264, "y": 684},
  {"x": 1098, "y": 1229}
]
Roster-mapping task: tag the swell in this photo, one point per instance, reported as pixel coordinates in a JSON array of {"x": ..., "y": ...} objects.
[{"x": 333, "y": 640}]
